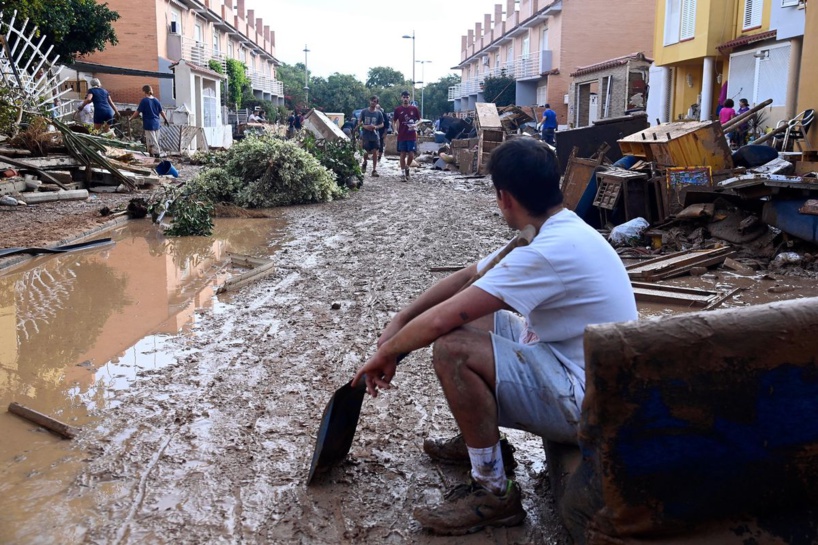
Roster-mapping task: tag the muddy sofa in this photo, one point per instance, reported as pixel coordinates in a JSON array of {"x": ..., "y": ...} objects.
[{"x": 699, "y": 428}]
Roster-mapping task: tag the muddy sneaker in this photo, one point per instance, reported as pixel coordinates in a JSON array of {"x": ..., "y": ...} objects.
[
  {"x": 363, "y": 166},
  {"x": 375, "y": 174},
  {"x": 406, "y": 175},
  {"x": 469, "y": 508},
  {"x": 454, "y": 451}
]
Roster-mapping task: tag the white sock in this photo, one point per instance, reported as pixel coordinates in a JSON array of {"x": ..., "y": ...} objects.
[{"x": 487, "y": 468}]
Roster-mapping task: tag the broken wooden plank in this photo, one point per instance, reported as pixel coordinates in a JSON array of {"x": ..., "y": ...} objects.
[
  {"x": 51, "y": 424},
  {"x": 657, "y": 293},
  {"x": 59, "y": 162},
  {"x": 677, "y": 264},
  {"x": 261, "y": 268},
  {"x": 27, "y": 165},
  {"x": 39, "y": 197}
]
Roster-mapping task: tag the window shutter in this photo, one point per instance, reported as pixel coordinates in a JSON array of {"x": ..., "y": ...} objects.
[
  {"x": 752, "y": 13},
  {"x": 673, "y": 9},
  {"x": 688, "y": 19}
]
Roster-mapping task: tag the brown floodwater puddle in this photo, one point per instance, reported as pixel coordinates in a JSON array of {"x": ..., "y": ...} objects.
[{"x": 76, "y": 329}]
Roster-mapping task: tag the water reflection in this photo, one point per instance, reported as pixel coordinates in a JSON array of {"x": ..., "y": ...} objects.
[{"x": 76, "y": 327}]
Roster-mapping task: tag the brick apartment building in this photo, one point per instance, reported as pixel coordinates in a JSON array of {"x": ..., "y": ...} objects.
[
  {"x": 155, "y": 34},
  {"x": 540, "y": 43}
]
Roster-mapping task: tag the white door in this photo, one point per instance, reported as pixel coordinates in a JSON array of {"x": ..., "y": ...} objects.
[{"x": 593, "y": 109}]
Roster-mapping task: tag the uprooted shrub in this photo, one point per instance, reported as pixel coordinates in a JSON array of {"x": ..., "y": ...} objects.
[
  {"x": 257, "y": 172},
  {"x": 336, "y": 155},
  {"x": 192, "y": 213},
  {"x": 275, "y": 172}
]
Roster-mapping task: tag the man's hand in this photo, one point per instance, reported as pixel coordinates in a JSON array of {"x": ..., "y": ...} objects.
[
  {"x": 379, "y": 371},
  {"x": 167, "y": 123}
]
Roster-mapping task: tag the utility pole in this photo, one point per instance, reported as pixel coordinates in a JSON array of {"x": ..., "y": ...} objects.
[
  {"x": 412, "y": 37},
  {"x": 306, "y": 79}
]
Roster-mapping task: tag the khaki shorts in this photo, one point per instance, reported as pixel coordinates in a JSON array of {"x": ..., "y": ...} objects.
[
  {"x": 152, "y": 141},
  {"x": 534, "y": 392}
]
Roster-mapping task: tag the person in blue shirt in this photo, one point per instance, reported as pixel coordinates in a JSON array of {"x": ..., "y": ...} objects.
[
  {"x": 104, "y": 108},
  {"x": 151, "y": 110},
  {"x": 549, "y": 125}
]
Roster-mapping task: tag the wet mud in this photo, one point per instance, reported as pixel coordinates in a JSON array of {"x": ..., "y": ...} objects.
[{"x": 215, "y": 446}]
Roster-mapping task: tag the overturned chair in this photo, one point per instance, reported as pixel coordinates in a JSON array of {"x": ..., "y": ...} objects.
[{"x": 699, "y": 428}]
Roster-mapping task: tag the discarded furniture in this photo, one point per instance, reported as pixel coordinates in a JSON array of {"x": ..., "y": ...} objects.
[
  {"x": 490, "y": 133},
  {"x": 681, "y": 144},
  {"x": 795, "y": 131},
  {"x": 696, "y": 428},
  {"x": 579, "y": 173},
  {"x": 588, "y": 139},
  {"x": 793, "y": 216},
  {"x": 626, "y": 191},
  {"x": 322, "y": 127}
]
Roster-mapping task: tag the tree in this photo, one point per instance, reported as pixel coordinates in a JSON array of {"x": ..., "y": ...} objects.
[
  {"x": 500, "y": 90},
  {"x": 384, "y": 77},
  {"x": 339, "y": 93},
  {"x": 73, "y": 27},
  {"x": 436, "y": 96},
  {"x": 292, "y": 76}
]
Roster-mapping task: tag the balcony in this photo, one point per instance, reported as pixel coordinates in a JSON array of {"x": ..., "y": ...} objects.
[
  {"x": 181, "y": 47},
  {"x": 265, "y": 84},
  {"x": 454, "y": 92},
  {"x": 528, "y": 66}
]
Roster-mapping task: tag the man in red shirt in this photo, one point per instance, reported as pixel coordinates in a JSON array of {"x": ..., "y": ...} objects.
[{"x": 404, "y": 122}]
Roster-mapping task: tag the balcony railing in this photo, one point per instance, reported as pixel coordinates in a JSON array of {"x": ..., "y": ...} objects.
[
  {"x": 198, "y": 53},
  {"x": 529, "y": 66},
  {"x": 266, "y": 84}
]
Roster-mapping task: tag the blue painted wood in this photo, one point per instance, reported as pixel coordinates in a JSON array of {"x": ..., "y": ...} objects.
[{"x": 784, "y": 214}]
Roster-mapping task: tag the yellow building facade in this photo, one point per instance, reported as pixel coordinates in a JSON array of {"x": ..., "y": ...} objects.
[{"x": 709, "y": 50}]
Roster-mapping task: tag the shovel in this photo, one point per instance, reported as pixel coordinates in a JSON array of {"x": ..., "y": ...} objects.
[{"x": 340, "y": 419}]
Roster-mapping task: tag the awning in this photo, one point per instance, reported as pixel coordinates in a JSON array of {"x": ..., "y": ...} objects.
[
  {"x": 605, "y": 65},
  {"x": 726, "y": 47},
  {"x": 94, "y": 68}
]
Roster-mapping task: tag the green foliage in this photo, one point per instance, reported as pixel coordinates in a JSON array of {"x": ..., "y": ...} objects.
[
  {"x": 337, "y": 155},
  {"x": 217, "y": 185},
  {"x": 292, "y": 77},
  {"x": 383, "y": 77},
  {"x": 276, "y": 172},
  {"x": 192, "y": 214},
  {"x": 436, "y": 97},
  {"x": 237, "y": 81},
  {"x": 8, "y": 113},
  {"x": 339, "y": 93},
  {"x": 208, "y": 158},
  {"x": 73, "y": 27},
  {"x": 500, "y": 90}
]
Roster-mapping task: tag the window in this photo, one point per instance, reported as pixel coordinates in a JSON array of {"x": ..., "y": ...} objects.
[
  {"x": 680, "y": 20},
  {"x": 510, "y": 55},
  {"x": 209, "y": 102},
  {"x": 526, "y": 46},
  {"x": 216, "y": 39},
  {"x": 789, "y": 3},
  {"x": 752, "y": 13},
  {"x": 175, "y": 21},
  {"x": 197, "y": 33},
  {"x": 544, "y": 44},
  {"x": 230, "y": 51}
]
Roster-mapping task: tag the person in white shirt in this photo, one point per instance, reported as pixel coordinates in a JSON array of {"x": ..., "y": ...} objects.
[{"x": 508, "y": 350}]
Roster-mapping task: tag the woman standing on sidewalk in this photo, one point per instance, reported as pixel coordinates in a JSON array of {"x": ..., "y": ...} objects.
[{"x": 104, "y": 108}]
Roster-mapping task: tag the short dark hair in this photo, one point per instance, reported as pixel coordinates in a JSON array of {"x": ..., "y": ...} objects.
[
  {"x": 728, "y": 103},
  {"x": 405, "y": 94},
  {"x": 547, "y": 105},
  {"x": 374, "y": 97},
  {"x": 529, "y": 171}
]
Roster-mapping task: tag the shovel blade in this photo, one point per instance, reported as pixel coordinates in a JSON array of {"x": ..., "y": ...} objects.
[{"x": 337, "y": 430}]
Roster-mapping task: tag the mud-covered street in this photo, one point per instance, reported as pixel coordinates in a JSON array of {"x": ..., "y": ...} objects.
[{"x": 216, "y": 448}]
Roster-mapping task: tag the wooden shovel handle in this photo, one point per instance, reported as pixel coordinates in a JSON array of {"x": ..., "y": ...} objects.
[{"x": 523, "y": 238}]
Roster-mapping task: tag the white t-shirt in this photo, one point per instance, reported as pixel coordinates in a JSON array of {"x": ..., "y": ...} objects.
[{"x": 567, "y": 278}]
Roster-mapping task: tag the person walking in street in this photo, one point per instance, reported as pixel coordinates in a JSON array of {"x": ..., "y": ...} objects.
[
  {"x": 294, "y": 124},
  {"x": 371, "y": 122},
  {"x": 549, "y": 126},
  {"x": 404, "y": 121},
  {"x": 151, "y": 110},
  {"x": 508, "y": 349},
  {"x": 104, "y": 108}
]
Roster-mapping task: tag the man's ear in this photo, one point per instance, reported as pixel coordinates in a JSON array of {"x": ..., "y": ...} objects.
[{"x": 503, "y": 199}]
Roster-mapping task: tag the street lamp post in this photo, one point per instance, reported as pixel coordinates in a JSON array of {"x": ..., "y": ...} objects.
[
  {"x": 423, "y": 82},
  {"x": 412, "y": 37},
  {"x": 306, "y": 78}
]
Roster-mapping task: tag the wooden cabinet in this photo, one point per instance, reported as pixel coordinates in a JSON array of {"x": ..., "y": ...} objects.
[{"x": 681, "y": 144}]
